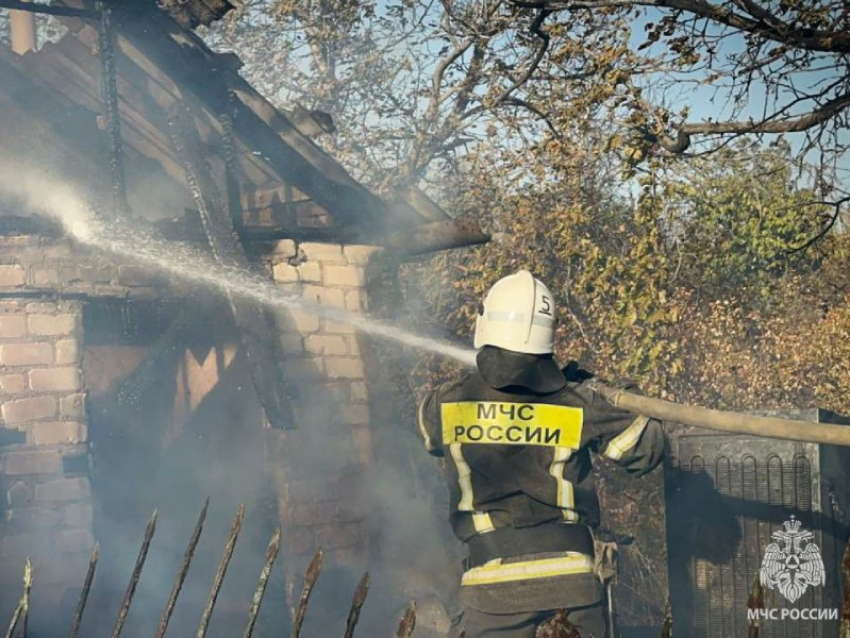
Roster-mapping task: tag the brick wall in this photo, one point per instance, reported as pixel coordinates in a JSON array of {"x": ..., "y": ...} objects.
[
  {"x": 31, "y": 263},
  {"x": 43, "y": 456},
  {"x": 319, "y": 469}
]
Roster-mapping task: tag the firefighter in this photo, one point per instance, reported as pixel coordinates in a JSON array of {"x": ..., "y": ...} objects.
[{"x": 517, "y": 436}]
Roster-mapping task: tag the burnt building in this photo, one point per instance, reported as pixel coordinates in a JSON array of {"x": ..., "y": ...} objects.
[{"x": 109, "y": 369}]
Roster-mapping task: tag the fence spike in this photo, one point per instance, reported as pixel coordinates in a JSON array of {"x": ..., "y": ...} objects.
[
  {"x": 84, "y": 594},
  {"x": 845, "y": 614},
  {"x": 26, "y": 597},
  {"x": 134, "y": 577},
  {"x": 259, "y": 592},
  {"x": 310, "y": 578},
  {"x": 22, "y": 610},
  {"x": 408, "y": 622},
  {"x": 181, "y": 575},
  {"x": 222, "y": 570},
  {"x": 755, "y": 601},
  {"x": 667, "y": 625},
  {"x": 357, "y": 602}
]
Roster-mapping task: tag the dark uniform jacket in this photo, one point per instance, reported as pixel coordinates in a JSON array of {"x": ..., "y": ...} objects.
[{"x": 517, "y": 437}]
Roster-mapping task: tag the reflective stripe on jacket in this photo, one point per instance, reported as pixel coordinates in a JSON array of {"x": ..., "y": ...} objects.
[{"x": 517, "y": 458}]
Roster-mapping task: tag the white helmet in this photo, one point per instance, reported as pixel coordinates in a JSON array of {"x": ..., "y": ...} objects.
[{"x": 519, "y": 315}]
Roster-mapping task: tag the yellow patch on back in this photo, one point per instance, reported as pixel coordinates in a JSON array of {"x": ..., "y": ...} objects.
[{"x": 498, "y": 423}]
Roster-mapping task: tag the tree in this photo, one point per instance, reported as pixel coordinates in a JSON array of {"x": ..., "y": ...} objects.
[
  {"x": 780, "y": 67},
  {"x": 413, "y": 85}
]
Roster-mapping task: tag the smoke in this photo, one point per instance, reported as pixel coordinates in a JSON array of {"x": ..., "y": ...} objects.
[
  {"x": 40, "y": 190},
  {"x": 141, "y": 462}
]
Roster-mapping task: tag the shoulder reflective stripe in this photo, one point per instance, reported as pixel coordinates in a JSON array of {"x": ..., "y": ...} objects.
[
  {"x": 482, "y": 522},
  {"x": 626, "y": 440},
  {"x": 420, "y": 422},
  {"x": 565, "y": 493},
  {"x": 571, "y": 516},
  {"x": 509, "y": 423},
  {"x": 464, "y": 478},
  {"x": 490, "y": 573}
]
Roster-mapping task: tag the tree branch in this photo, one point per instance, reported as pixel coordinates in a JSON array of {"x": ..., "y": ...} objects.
[
  {"x": 825, "y": 230},
  {"x": 777, "y": 30},
  {"x": 538, "y": 57},
  {"x": 791, "y": 125}
]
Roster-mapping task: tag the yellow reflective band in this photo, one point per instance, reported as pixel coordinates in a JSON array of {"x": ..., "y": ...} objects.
[
  {"x": 464, "y": 478},
  {"x": 420, "y": 421},
  {"x": 482, "y": 522},
  {"x": 496, "y": 423},
  {"x": 498, "y": 572},
  {"x": 565, "y": 495},
  {"x": 626, "y": 440}
]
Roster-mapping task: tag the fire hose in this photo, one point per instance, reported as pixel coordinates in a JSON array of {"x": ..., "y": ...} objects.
[{"x": 723, "y": 421}]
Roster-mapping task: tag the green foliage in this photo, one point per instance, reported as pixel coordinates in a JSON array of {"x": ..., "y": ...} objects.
[{"x": 737, "y": 219}]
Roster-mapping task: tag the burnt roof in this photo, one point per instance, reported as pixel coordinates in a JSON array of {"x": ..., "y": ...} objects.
[{"x": 285, "y": 179}]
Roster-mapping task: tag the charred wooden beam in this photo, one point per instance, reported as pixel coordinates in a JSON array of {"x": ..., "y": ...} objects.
[
  {"x": 437, "y": 236},
  {"x": 256, "y": 326},
  {"x": 297, "y": 159},
  {"x": 421, "y": 204},
  {"x": 49, "y": 9},
  {"x": 111, "y": 118},
  {"x": 84, "y": 594},
  {"x": 311, "y": 123}
]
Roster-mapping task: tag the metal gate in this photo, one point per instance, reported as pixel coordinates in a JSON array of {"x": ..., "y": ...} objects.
[{"x": 726, "y": 495}]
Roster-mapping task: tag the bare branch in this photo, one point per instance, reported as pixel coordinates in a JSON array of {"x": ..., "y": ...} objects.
[
  {"x": 538, "y": 57},
  {"x": 790, "y": 125},
  {"x": 803, "y": 38}
]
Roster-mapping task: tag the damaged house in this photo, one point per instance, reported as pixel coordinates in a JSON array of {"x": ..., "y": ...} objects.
[{"x": 124, "y": 388}]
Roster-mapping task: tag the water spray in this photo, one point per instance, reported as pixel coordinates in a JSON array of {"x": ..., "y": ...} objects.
[
  {"x": 191, "y": 265},
  {"x": 194, "y": 266}
]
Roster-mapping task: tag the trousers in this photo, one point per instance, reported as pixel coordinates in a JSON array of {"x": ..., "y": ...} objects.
[{"x": 590, "y": 622}]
